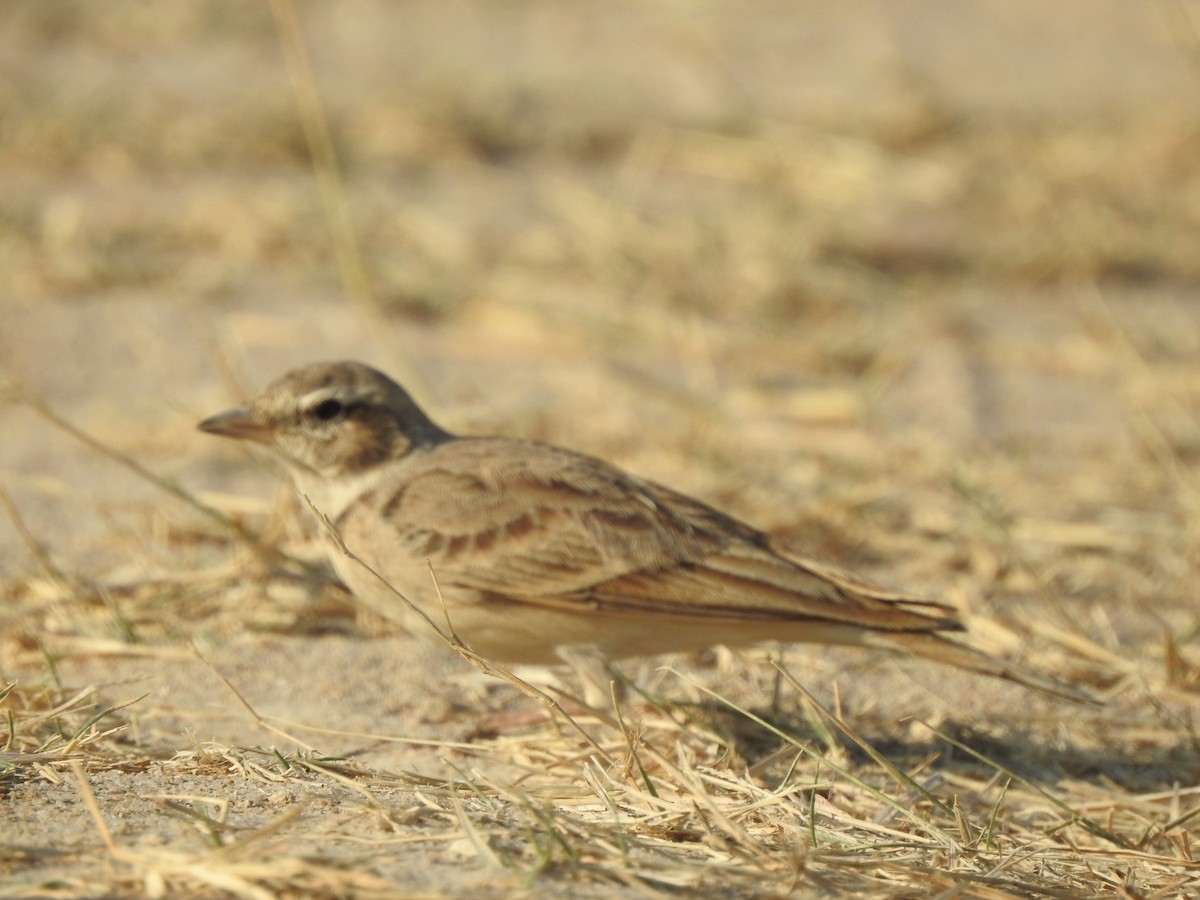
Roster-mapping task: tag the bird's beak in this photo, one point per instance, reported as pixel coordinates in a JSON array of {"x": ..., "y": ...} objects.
[{"x": 241, "y": 422}]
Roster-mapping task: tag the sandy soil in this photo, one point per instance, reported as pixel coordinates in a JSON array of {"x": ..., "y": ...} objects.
[{"x": 911, "y": 283}]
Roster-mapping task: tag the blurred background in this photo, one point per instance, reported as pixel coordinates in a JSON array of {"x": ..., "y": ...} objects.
[{"x": 913, "y": 282}]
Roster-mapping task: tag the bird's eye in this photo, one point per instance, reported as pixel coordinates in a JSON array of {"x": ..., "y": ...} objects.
[{"x": 329, "y": 410}]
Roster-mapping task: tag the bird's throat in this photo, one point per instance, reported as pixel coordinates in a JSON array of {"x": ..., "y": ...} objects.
[{"x": 331, "y": 496}]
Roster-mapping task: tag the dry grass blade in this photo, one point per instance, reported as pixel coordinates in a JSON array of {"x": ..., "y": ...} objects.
[
  {"x": 39, "y": 553},
  {"x": 164, "y": 484},
  {"x": 237, "y": 867},
  {"x": 324, "y": 159},
  {"x": 923, "y": 824},
  {"x": 41, "y": 736},
  {"x": 244, "y": 703},
  {"x": 837, "y": 722},
  {"x": 631, "y": 742},
  {"x": 1094, "y": 827}
]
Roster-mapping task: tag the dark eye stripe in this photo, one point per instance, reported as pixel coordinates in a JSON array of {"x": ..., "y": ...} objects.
[{"x": 329, "y": 410}]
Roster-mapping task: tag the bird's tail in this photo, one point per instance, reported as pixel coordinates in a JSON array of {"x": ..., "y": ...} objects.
[{"x": 939, "y": 649}]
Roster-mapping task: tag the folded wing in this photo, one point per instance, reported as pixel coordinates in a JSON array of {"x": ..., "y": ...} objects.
[{"x": 545, "y": 526}]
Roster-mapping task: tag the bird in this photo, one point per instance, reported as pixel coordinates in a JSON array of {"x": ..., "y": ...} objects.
[{"x": 532, "y": 553}]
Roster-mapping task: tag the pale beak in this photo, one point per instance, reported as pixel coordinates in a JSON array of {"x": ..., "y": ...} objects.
[{"x": 241, "y": 422}]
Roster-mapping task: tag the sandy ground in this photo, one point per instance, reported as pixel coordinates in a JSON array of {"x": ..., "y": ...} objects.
[{"x": 911, "y": 283}]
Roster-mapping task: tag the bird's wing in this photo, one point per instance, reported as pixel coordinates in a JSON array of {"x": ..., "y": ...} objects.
[{"x": 545, "y": 526}]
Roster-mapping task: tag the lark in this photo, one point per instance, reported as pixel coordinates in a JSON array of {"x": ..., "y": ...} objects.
[{"x": 537, "y": 554}]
